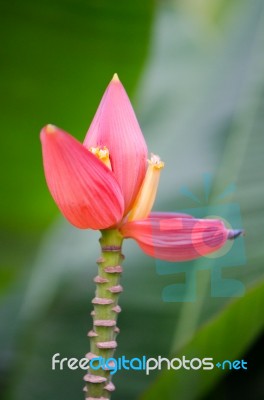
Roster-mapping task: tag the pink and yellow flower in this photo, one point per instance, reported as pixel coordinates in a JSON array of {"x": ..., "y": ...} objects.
[{"x": 107, "y": 182}]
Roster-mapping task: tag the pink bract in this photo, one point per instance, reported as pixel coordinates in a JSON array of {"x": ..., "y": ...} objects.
[
  {"x": 84, "y": 189},
  {"x": 115, "y": 126}
]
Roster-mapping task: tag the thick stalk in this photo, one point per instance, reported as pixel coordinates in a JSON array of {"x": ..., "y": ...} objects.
[{"x": 106, "y": 309}]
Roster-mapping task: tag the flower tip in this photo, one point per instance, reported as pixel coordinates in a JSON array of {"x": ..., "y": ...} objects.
[
  {"x": 50, "y": 129},
  {"x": 235, "y": 233},
  {"x": 115, "y": 78}
]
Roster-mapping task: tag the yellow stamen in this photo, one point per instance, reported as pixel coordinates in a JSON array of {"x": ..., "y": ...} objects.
[
  {"x": 102, "y": 154},
  {"x": 147, "y": 193}
]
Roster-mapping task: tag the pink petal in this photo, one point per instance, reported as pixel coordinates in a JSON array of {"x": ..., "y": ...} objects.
[
  {"x": 84, "y": 189},
  {"x": 116, "y": 127},
  {"x": 165, "y": 215},
  {"x": 176, "y": 239}
]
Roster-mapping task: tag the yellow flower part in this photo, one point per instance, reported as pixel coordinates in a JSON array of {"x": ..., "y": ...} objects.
[
  {"x": 147, "y": 193},
  {"x": 102, "y": 154}
]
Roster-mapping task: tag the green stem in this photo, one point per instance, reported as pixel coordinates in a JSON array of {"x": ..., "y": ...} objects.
[{"x": 106, "y": 309}]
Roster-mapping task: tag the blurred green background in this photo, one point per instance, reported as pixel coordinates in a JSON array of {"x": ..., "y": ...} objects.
[{"x": 194, "y": 70}]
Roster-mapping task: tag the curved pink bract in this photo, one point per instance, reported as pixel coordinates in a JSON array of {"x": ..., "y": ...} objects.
[
  {"x": 116, "y": 127},
  {"x": 176, "y": 239},
  {"x": 84, "y": 189}
]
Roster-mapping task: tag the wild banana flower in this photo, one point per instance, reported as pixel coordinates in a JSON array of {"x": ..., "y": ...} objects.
[{"x": 109, "y": 184}]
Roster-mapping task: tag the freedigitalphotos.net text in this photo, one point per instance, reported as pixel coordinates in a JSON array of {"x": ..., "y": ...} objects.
[{"x": 143, "y": 364}]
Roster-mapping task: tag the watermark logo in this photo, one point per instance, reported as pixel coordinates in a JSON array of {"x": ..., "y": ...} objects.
[
  {"x": 232, "y": 255},
  {"x": 143, "y": 364}
]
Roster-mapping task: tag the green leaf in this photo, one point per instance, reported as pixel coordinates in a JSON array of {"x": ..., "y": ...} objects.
[
  {"x": 230, "y": 332},
  {"x": 233, "y": 110}
]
